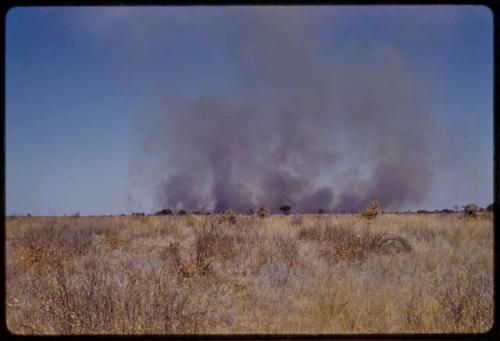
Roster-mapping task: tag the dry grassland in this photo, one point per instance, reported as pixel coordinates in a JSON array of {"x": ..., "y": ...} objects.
[{"x": 408, "y": 273}]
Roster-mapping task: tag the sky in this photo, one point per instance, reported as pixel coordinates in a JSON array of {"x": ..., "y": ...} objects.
[{"x": 115, "y": 110}]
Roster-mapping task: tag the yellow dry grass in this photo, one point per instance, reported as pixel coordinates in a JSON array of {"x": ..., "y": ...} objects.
[{"x": 341, "y": 274}]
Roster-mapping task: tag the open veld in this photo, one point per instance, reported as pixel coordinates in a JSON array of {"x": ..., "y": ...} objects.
[{"x": 397, "y": 273}]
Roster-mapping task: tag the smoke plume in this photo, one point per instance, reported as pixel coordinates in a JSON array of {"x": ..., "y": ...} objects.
[{"x": 303, "y": 127}]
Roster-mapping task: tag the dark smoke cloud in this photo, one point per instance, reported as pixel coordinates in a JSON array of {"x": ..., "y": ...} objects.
[
  {"x": 293, "y": 125},
  {"x": 393, "y": 184}
]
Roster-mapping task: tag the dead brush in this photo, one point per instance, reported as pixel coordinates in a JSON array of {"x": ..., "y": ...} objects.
[
  {"x": 205, "y": 248},
  {"x": 83, "y": 302},
  {"x": 444, "y": 285},
  {"x": 385, "y": 243},
  {"x": 424, "y": 234},
  {"x": 371, "y": 211},
  {"x": 36, "y": 258},
  {"x": 350, "y": 248},
  {"x": 182, "y": 266},
  {"x": 199, "y": 263},
  {"x": 113, "y": 240},
  {"x": 263, "y": 212},
  {"x": 228, "y": 217},
  {"x": 43, "y": 247},
  {"x": 286, "y": 250},
  {"x": 321, "y": 232},
  {"x": 297, "y": 220},
  {"x": 310, "y": 233},
  {"x": 345, "y": 244},
  {"x": 70, "y": 241}
]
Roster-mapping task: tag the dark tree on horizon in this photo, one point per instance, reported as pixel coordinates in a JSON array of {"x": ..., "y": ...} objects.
[
  {"x": 165, "y": 211},
  {"x": 285, "y": 209}
]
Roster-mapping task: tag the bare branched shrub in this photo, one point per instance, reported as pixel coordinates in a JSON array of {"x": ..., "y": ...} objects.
[
  {"x": 297, "y": 220},
  {"x": 36, "y": 258},
  {"x": 183, "y": 265},
  {"x": 385, "y": 243},
  {"x": 71, "y": 242},
  {"x": 114, "y": 241},
  {"x": 286, "y": 249},
  {"x": 371, "y": 211},
  {"x": 424, "y": 234},
  {"x": 63, "y": 276},
  {"x": 341, "y": 242},
  {"x": 276, "y": 274},
  {"x": 349, "y": 249},
  {"x": 212, "y": 241},
  {"x": 465, "y": 300},
  {"x": 88, "y": 301},
  {"x": 205, "y": 249},
  {"x": 308, "y": 233},
  {"x": 325, "y": 232}
]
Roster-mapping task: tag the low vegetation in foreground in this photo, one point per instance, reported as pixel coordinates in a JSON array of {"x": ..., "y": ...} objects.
[{"x": 238, "y": 274}]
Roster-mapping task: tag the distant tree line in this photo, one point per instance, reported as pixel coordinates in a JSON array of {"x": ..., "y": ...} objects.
[{"x": 370, "y": 212}]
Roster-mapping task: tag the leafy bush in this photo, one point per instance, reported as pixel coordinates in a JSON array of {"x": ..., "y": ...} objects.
[
  {"x": 165, "y": 211},
  {"x": 181, "y": 212},
  {"x": 371, "y": 211},
  {"x": 471, "y": 210},
  {"x": 285, "y": 209}
]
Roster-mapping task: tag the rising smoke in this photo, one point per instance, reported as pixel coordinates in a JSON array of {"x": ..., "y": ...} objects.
[{"x": 304, "y": 126}]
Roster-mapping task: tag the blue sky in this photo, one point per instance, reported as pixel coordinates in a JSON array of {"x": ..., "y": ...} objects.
[{"x": 82, "y": 84}]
